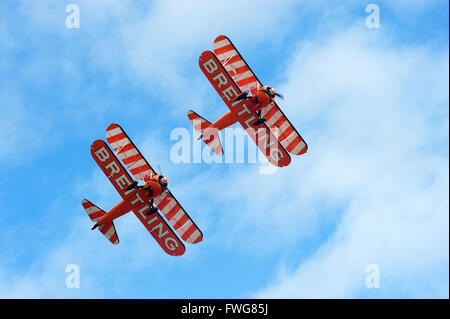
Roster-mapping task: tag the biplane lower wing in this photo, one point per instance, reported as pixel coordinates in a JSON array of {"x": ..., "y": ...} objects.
[
  {"x": 139, "y": 167},
  {"x": 119, "y": 177},
  {"x": 178, "y": 218},
  {"x": 162, "y": 233},
  {"x": 228, "y": 90},
  {"x": 246, "y": 80}
]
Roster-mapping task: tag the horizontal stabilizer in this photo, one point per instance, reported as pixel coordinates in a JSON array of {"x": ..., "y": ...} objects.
[
  {"x": 95, "y": 213},
  {"x": 210, "y": 137},
  {"x": 199, "y": 123}
]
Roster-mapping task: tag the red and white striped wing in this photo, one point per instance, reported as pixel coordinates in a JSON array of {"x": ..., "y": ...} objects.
[
  {"x": 178, "y": 218},
  {"x": 128, "y": 152},
  {"x": 244, "y": 77},
  {"x": 139, "y": 167}
]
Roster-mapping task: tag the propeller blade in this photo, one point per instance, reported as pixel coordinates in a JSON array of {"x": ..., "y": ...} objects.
[
  {"x": 158, "y": 167},
  {"x": 281, "y": 96}
]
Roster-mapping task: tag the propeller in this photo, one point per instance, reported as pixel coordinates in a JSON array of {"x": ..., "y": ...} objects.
[
  {"x": 158, "y": 167},
  {"x": 159, "y": 171},
  {"x": 281, "y": 96},
  {"x": 247, "y": 94}
]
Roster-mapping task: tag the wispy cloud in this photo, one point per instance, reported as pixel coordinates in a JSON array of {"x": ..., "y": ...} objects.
[
  {"x": 373, "y": 187},
  {"x": 375, "y": 114}
]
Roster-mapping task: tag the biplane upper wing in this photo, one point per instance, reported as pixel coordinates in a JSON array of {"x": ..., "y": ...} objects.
[
  {"x": 139, "y": 167},
  {"x": 244, "y": 77},
  {"x": 228, "y": 91},
  {"x": 128, "y": 152},
  {"x": 120, "y": 179}
]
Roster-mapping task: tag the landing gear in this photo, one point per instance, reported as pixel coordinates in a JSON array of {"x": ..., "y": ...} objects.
[
  {"x": 132, "y": 185},
  {"x": 241, "y": 96},
  {"x": 152, "y": 210},
  {"x": 260, "y": 119}
]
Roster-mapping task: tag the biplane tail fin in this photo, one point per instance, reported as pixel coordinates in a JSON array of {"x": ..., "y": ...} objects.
[
  {"x": 209, "y": 136},
  {"x": 95, "y": 213}
]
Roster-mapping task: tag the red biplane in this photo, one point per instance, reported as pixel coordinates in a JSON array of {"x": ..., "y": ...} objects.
[
  {"x": 141, "y": 199},
  {"x": 251, "y": 104}
]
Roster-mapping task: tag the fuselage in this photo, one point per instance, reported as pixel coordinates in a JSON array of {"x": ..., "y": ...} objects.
[
  {"x": 255, "y": 103},
  {"x": 151, "y": 189}
]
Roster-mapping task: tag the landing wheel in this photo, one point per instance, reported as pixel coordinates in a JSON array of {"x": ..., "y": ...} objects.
[
  {"x": 259, "y": 121},
  {"x": 151, "y": 211}
]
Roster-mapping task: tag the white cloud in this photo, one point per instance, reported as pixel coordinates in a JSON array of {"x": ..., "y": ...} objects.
[
  {"x": 156, "y": 47},
  {"x": 153, "y": 48},
  {"x": 21, "y": 130},
  {"x": 374, "y": 116}
]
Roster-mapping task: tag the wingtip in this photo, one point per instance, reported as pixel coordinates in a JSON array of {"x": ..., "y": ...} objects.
[
  {"x": 220, "y": 38},
  {"x": 304, "y": 149},
  {"x": 112, "y": 125},
  {"x": 199, "y": 239},
  {"x": 179, "y": 252}
]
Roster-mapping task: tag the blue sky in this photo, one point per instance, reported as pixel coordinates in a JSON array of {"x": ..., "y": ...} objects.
[{"x": 372, "y": 105}]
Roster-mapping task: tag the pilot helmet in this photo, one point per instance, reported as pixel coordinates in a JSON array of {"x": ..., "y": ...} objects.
[{"x": 163, "y": 181}]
